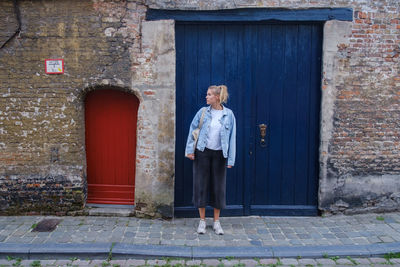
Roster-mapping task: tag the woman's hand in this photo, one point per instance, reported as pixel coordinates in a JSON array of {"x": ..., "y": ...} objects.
[
  {"x": 229, "y": 166},
  {"x": 190, "y": 156}
]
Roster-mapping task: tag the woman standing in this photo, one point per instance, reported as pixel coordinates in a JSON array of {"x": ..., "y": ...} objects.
[{"x": 214, "y": 152}]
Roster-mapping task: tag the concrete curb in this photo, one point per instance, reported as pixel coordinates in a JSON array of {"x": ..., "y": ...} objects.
[
  {"x": 55, "y": 250},
  {"x": 121, "y": 250},
  {"x": 124, "y": 251}
]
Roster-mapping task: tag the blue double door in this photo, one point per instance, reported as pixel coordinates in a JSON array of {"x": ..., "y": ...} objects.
[{"x": 273, "y": 73}]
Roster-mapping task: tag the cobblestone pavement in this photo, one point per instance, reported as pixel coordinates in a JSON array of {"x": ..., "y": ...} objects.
[
  {"x": 239, "y": 231},
  {"x": 333, "y": 261}
]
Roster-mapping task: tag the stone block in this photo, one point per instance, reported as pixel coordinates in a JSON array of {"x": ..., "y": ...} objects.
[{"x": 288, "y": 261}]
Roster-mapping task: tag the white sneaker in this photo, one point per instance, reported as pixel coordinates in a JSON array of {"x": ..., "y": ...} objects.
[
  {"x": 201, "y": 229},
  {"x": 217, "y": 228}
]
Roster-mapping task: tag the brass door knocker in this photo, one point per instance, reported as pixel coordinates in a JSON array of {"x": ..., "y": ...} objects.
[{"x": 263, "y": 132}]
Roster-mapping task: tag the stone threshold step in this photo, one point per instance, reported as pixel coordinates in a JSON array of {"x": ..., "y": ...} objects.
[{"x": 110, "y": 210}]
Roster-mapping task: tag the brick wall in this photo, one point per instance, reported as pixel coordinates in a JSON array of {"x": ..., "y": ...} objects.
[
  {"x": 363, "y": 157},
  {"x": 366, "y": 138}
]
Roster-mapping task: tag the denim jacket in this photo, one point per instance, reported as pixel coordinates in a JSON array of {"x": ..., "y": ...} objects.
[{"x": 228, "y": 133}]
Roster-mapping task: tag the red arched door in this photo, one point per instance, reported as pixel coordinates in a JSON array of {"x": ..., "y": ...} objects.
[{"x": 111, "y": 118}]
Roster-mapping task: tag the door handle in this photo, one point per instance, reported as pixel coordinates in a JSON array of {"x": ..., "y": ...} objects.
[{"x": 263, "y": 132}]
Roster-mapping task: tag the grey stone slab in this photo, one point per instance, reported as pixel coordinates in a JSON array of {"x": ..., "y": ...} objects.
[
  {"x": 346, "y": 241},
  {"x": 141, "y": 241},
  {"x": 181, "y": 242},
  {"x": 237, "y": 252},
  {"x": 325, "y": 262},
  {"x": 289, "y": 261},
  {"x": 142, "y": 234},
  {"x": 15, "y": 249},
  {"x": 158, "y": 235},
  {"x": 126, "y": 250},
  {"x": 383, "y": 248},
  {"x": 319, "y": 251},
  {"x": 275, "y": 230},
  {"x": 328, "y": 236},
  {"x": 291, "y": 236},
  {"x": 295, "y": 242},
  {"x": 135, "y": 262},
  {"x": 233, "y": 262},
  {"x": 344, "y": 262},
  {"x": 98, "y": 263},
  {"x": 374, "y": 239},
  {"x": 19, "y": 240},
  {"x": 386, "y": 239},
  {"x": 167, "y": 236},
  {"x": 376, "y": 260},
  {"x": 256, "y": 243},
  {"x": 81, "y": 262},
  {"x": 263, "y": 231},
  {"x": 193, "y": 262},
  {"x": 211, "y": 262},
  {"x": 278, "y": 236},
  {"x": 115, "y": 263},
  {"x": 341, "y": 235},
  {"x": 177, "y": 262},
  {"x": 362, "y": 261},
  {"x": 95, "y": 250},
  {"x": 193, "y": 236},
  {"x": 187, "y": 242},
  {"x": 249, "y": 262},
  {"x": 39, "y": 240},
  {"x": 66, "y": 262},
  {"x": 29, "y": 263},
  {"x": 304, "y": 236},
  {"x": 268, "y": 261},
  {"x": 155, "y": 241},
  {"x": 360, "y": 241},
  {"x": 129, "y": 236},
  {"x": 307, "y": 262}
]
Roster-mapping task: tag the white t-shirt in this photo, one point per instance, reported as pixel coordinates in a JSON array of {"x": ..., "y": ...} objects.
[{"x": 214, "y": 133}]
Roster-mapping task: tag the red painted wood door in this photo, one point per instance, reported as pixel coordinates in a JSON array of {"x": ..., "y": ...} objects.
[{"x": 111, "y": 118}]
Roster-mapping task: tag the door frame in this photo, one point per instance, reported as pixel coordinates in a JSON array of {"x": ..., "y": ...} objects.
[
  {"x": 284, "y": 15},
  {"x": 246, "y": 208}
]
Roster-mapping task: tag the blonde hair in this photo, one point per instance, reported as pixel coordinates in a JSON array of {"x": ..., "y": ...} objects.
[{"x": 222, "y": 91}]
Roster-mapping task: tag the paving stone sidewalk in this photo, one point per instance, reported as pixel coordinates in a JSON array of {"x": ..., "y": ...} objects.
[
  {"x": 333, "y": 261},
  {"x": 254, "y": 231}
]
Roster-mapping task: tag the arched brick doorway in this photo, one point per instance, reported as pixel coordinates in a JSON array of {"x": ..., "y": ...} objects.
[{"x": 110, "y": 120}]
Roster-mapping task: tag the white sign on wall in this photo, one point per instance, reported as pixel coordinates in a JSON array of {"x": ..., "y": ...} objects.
[{"x": 54, "y": 66}]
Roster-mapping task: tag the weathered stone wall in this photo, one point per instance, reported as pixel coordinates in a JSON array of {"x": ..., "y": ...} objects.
[
  {"x": 108, "y": 44},
  {"x": 8, "y": 21},
  {"x": 155, "y": 77},
  {"x": 42, "y": 155}
]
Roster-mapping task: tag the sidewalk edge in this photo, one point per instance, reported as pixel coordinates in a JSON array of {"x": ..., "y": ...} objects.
[{"x": 123, "y": 250}]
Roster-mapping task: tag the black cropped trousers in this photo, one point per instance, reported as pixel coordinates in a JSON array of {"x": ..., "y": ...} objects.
[{"x": 209, "y": 179}]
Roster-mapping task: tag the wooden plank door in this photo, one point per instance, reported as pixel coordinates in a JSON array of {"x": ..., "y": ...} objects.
[
  {"x": 206, "y": 55},
  {"x": 287, "y": 97},
  {"x": 111, "y": 119},
  {"x": 272, "y": 72}
]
